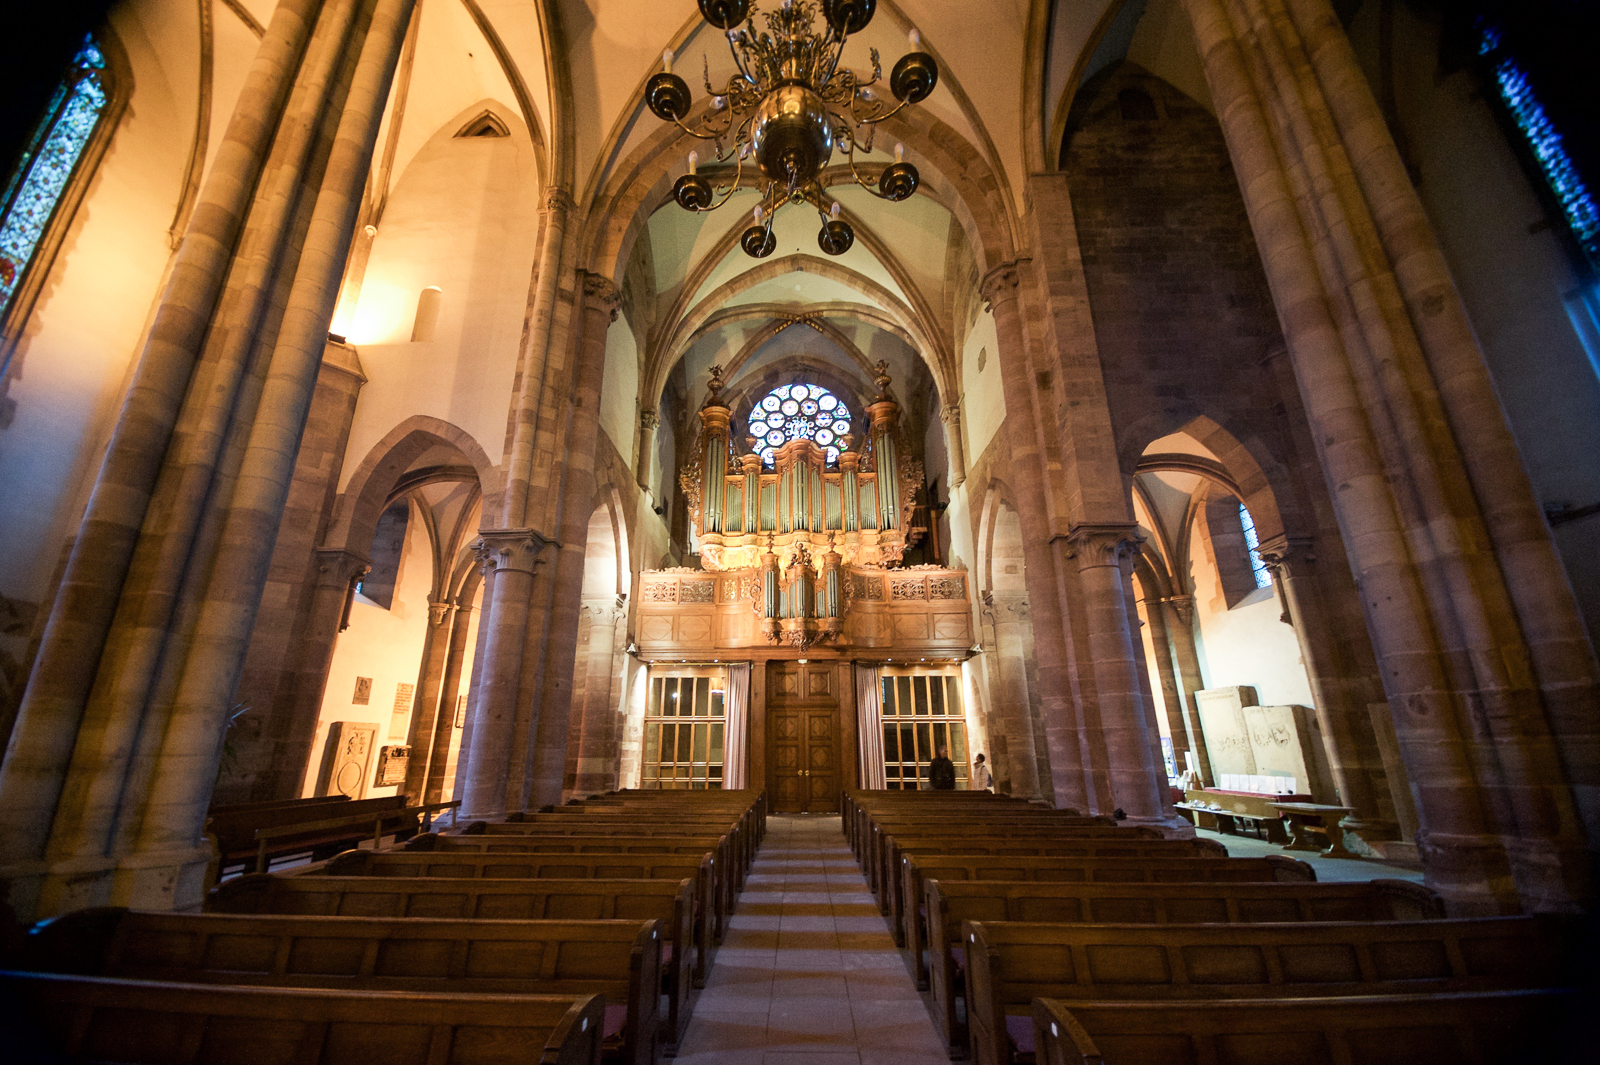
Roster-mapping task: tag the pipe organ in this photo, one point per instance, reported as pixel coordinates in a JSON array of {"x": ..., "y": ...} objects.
[{"x": 796, "y": 530}]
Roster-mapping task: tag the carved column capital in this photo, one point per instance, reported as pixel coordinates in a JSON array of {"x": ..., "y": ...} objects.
[
  {"x": 602, "y": 293},
  {"x": 337, "y": 567},
  {"x": 1111, "y": 544},
  {"x": 950, "y": 414},
  {"x": 557, "y": 198},
  {"x": 438, "y": 610},
  {"x": 1001, "y": 283},
  {"x": 649, "y": 419},
  {"x": 499, "y": 550},
  {"x": 1182, "y": 606},
  {"x": 1288, "y": 556}
]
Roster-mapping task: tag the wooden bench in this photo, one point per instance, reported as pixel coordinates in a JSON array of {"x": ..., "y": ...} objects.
[
  {"x": 884, "y": 836},
  {"x": 235, "y": 828},
  {"x": 619, "y": 960},
  {"x": 949, "y": 903},
  {"x": 741, "y": 837},
  {"x": 721, "y": 878},
  {"x": 669, "y": 901},
  {"x": 902, "y": 884},
  {"x": 1519, "y": 1026},
  {"x": 729, "y": 848},
  {"x": 136, "y": 1022},
  {"x": 918, "y": 870},
  {"x": 860, "y": 807},
  {"x": 1009, "y": 964},
  {"x": 468, "y": 866}
]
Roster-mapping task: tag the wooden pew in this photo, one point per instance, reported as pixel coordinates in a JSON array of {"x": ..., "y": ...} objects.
[
  {"x": 619, "y": 960},
  {"x": 897, "y": 887},
  {"x": 917, "y": 870},
  {"x": 457, "y": 865},
  {"x": 1009, "y": 964},
  {"x": 741, "y": 836},
  {"x": 138, "y": 1022},
  {"x": 669, "y": 901},
  {"x": 729, "y": 848},
  {"x": 721, "y": 879},
  {"x": 884, "y": 835},
  {"x": 1519, "y": 1026},
  {"x": 860, "y": 807},
  {"x": 950, "y": 903},
  {"x": 739, "y": 831},
  {"x": 235, "y": 828}
]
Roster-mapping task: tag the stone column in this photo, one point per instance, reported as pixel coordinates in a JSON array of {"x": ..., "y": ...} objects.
[
  {"x": 649, "y": 422},
  {"x": 1103, "y": 553},
  {"x": 597, "y": 745},
  {"x": 449, "y": 689},
  {"x": 426, "y": 706},
  {"x": 1007, "y": 613},
  {"x": 511, "y": 557},
  {"x": 950, "y": 415},
  {"x": 535, "y": 358},
  {"x": 81, "y": 614},
  {"x": 1474, "y": 695},
  {"x": 1171, "y": 697},
  {"x": 601, "y": 300},
  {"x": 1534, "y": 578},
  {"x": 1353, "y": 756},
  {"x": 1180, "y": 631},
  {"x": 167, "y": 861},
  {"x": 1061, "y": 723}
]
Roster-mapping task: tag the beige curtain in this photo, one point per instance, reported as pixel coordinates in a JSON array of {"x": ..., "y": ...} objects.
[
  {"x": 869, "y": 718},
  {"x": 737, "y": 707}
]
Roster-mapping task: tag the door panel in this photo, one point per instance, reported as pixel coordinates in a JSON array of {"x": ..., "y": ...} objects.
[{"x": 803, "y": 734}]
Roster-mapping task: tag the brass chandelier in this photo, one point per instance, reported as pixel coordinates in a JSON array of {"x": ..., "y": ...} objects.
[{"x": 787, "y": 107}]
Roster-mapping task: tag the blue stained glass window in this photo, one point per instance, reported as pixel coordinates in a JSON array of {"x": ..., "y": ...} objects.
[
  {"x": 1253, "y": 542},
  {"x": 799, "y": 412},
  {"x": 46, "y": 167},
  {"x": 1583, "y": 215}
]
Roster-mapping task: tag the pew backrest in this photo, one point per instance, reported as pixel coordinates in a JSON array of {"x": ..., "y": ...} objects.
[
  {"x": 620, "y": 960},
  {"x": 115, "y": 1021},
  {"x": 1011, "y": 963},
  {"x": 1519, "y": 1026}
]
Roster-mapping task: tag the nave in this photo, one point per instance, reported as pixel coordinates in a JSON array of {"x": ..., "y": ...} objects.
[{"x": 635, "y": 927}]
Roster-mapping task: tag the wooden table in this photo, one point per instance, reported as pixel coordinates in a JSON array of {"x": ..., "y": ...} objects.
[{"x": 1306, "y": 819}]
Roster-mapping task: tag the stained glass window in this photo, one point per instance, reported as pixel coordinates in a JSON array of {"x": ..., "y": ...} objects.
[
  {"x": 1253, "y": 542},
  {"x": 35, "y": 188},
  {"x": 1544, "y": 140},
  {"x": 794, "y": 412}
]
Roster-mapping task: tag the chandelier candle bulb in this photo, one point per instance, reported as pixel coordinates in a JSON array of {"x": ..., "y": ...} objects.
[
  {"x": 915, "y": 38},
  {"x": 666, "y": 61},
  {"x": 899, "y": 153},
  {"x": 694, "y": 161},
  {"x": 834, "y": 210}
]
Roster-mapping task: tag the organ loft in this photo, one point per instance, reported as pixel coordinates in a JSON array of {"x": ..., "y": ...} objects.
[{"x": 529, "y": 480}]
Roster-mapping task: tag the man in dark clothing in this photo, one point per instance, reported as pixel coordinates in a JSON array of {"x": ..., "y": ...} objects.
[{"x": 942, "y": 771}]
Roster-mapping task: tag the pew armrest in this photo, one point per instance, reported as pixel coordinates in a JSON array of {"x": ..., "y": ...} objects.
[
  {"x": 1059, "y": 1039},
  {"x": 1291, "y": 870}
]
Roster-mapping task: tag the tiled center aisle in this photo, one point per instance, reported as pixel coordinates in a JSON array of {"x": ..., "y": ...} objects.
[{"x": 808, "y": 974}]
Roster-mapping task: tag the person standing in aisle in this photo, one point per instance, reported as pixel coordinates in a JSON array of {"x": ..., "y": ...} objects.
[
  {"x": 982, "y": 779},
  {"x": 941, "y": 771}
]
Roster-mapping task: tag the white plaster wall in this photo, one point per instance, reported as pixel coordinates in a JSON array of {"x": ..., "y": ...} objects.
[
  {"x": 619, "y": 391},
  {"x": 1248, "y": 644},
  {"x": 385, "y": 645},
  {"x": 983, "y": 405},
  {"x": 463, "y": 217}
]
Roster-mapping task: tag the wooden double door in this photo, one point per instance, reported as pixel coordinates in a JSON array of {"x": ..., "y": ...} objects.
[{"x": 803, "y": 737}]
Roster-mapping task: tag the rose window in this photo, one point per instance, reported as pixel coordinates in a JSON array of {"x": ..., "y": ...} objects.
[{"x": 795, "y": 412}]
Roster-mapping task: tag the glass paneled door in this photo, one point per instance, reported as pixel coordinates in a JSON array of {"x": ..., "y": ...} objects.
[
  {"x": 922, "y": 712},
  {"x": 685, "y": 726}
]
